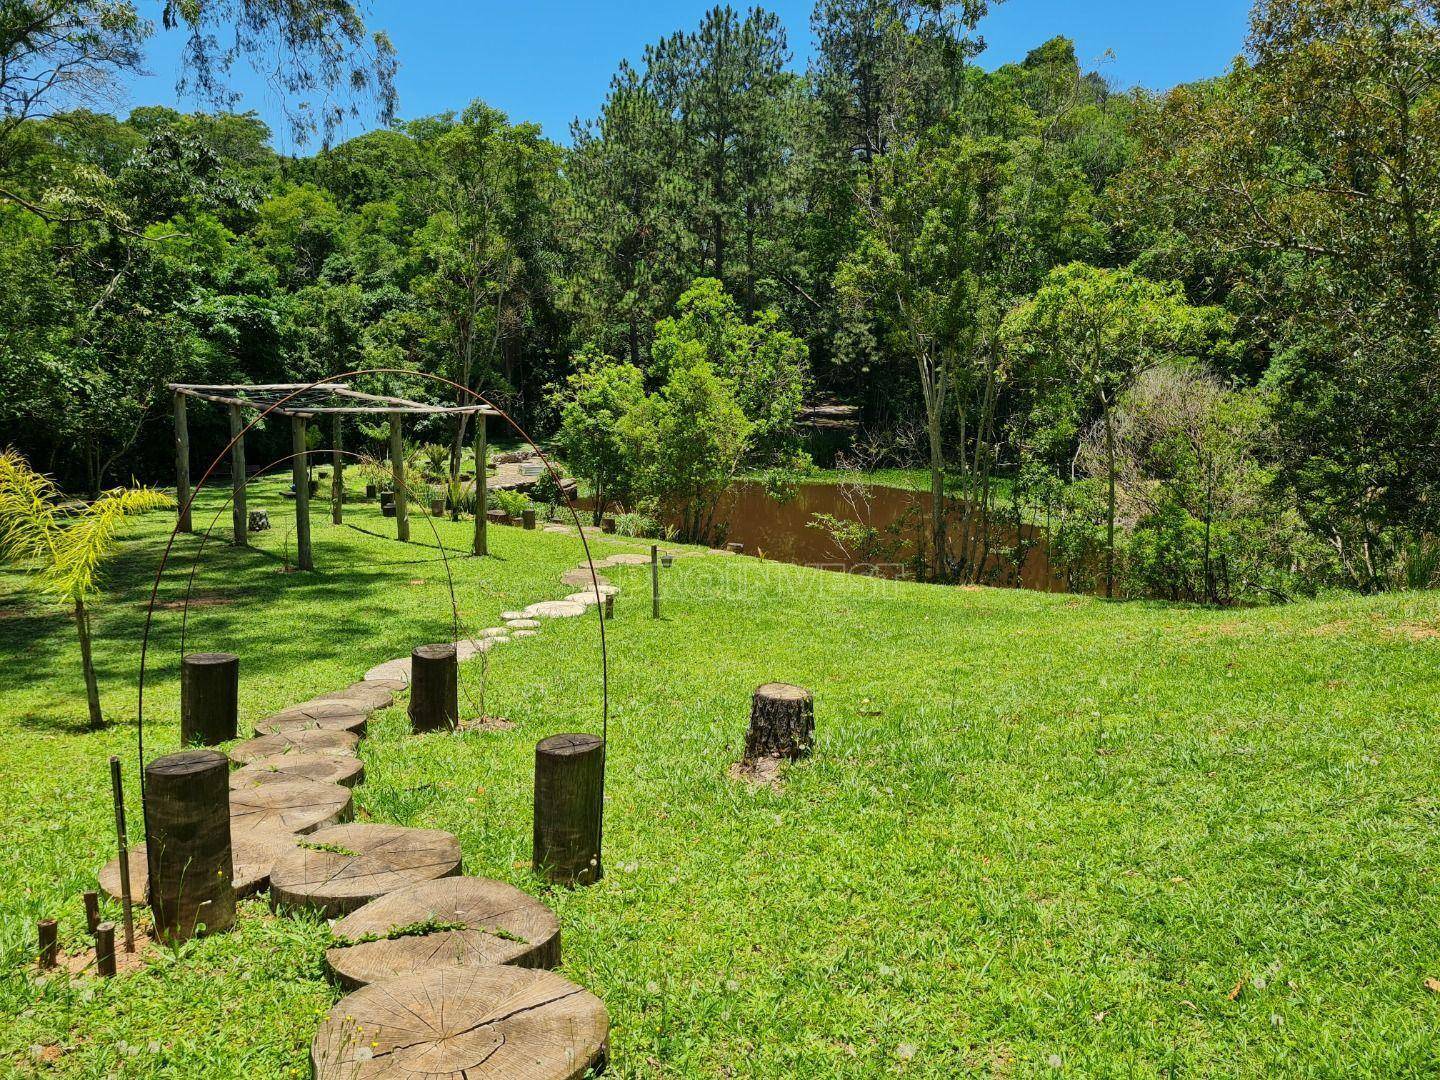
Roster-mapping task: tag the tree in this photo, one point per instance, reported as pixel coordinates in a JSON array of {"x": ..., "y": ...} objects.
[
  {"x": 689, "y": 439},
  {"x": 1091, "y": 330},
  {"x": 66, "y": 545},
  {"x": 593, "y": 406},
  {"x": 1306, "y": 183},
  {"x": 766, "y": 366}
]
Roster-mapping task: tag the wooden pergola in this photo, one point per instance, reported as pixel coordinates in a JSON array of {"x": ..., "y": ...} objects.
[{"x": 303, "y": 402}]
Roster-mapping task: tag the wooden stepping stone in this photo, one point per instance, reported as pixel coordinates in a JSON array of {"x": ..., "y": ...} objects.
[
  {"x": 321, "y": 710},
  {"x": 506, "y": 616},
  {"x": 590, "y": 597},
  {"x": 627, "y": 558},
  {"x": 298, "y": 806},
  {"x": 580, "y": 577},
  {"x": 489, "y": 923},
  {"x": 368, "y": 696},
  {"x": 459, "y": 1023},
  {"x": 555, "y": 609},
  {"x": 397, "y": 670},
  {"x": 253, "y": 853},
  {"x": 493, "y": 631},
  {"x": 346, "y": 866},
  {"x": 523, "y": 624},
  {"x": 294, "y": 742},
  {"x": 354, "y": 722},
  {"x": 283, "y": 768},
  {"x": 394, "y": 685}
]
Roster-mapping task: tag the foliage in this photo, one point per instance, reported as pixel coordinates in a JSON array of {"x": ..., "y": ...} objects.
[
  {"x": 592, "y": 406},
  {"x": 514, "y": 503}
]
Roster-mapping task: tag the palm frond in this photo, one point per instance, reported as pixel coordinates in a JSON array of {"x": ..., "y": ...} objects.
[
  {"x": 89, "y": 538},
  {"x": 28, "y": 510}
]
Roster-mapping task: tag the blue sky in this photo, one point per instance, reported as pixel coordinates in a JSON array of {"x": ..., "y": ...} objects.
[{"x": 551, "y": 60}]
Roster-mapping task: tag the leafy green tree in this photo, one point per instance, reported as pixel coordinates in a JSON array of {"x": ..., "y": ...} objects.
[
  {"x": 1089, "y": 331},
  {"x": 690, "y": 440},
  {"x": 593, "y": 406},
  {"x": 65, "y": 544}
]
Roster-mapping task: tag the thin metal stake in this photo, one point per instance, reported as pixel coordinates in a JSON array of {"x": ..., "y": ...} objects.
[{"x": 124, "y": 843}]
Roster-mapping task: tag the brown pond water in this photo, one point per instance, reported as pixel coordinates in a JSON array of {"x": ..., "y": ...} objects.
[{"x": 782, "y": 529}]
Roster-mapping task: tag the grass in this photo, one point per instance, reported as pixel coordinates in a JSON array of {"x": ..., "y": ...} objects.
[{"x": 1039, "y": 835}]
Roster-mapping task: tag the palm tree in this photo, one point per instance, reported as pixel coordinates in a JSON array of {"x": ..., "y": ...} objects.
[{"x": 65, "y": 541}]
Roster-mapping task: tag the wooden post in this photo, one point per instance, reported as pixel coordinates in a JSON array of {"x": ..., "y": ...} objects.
[
  {"x": 123, "y": 842},
  {"x": 49, "y": 931},
  {"x": 337, "y": 475},
  {"x": 434, "y": 689},
  {"x": 397, "y": 470},
  {"x": 782, "y": 722},
  {"x": 239, "y": 519},
  {"x": 187, "y": 838},
  {"x": 609, "y": 603},
  {"x": 209, "y": 698},
  {"x": 300, "y": 472},
  {"x": 182, "y": 464},
  {"x": 105, "y": 949},
  {"x": 527, "y": 517},
  {"x": 482, "y": 485},
  {"x": 92, "y": 911},
  {"x": 654, "y": 581},
  {"x": 569, "y": 804}
]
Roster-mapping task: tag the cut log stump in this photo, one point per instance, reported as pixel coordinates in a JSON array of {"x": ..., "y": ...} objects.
[
  {"x": 209, "y": 698},
  {"x": 480, "y": 1023},
  {"x": 294, "y": 742},
  {"x": 782, "y": 722},
  {"x": 298, "y": 806},
  {"x": 339, "y": 869},
  {"x": 283, "y": 768},
  {"x": 569, "y": 801},
  {"x": 474, "y": 922},
  {"x": 253, "y": 853},
  {"x": 187, "y": 837},
  {"x": 434, "y": 689}
]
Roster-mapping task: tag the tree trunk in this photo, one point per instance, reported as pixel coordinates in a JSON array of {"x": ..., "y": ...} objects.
[
  {"x": 209, "y": 698},
  {"x": 1109, "y": 504},
  {"x": 569, "y": 806},
  {"x": 87, "y": 661},
  {"x": 187, "y": 842},
  {"x": 434, "y": 691}
]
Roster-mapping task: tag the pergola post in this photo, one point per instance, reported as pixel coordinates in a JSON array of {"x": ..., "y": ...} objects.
[
  {"x": 397, "y": 471},
  {"x": 337, "y": 477},
  {"x": 182, "y": 464},
  {"x": 300, "y": 470},
  {"x": 238, "y": 517},
  {"x": 482, "y": 486}
]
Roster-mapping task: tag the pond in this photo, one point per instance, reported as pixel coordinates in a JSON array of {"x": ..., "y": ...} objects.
[{"x": 783, "y": 529}]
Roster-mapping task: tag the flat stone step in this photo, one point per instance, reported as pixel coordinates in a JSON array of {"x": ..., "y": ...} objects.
[
  {"x": 555, "y": 609},
  {"x": 344, "y": 867},
  {"x": 523, "y": 624},
  {"x": 581, "y": 577},
  {"x": 484, "y": 922},
  {"x": 293, "y": 742},
  {"x": 283, "y": 768},
  {"x": 480, "y": 1023}
]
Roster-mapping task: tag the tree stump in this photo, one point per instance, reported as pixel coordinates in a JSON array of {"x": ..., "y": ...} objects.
[
  {"x": 284, "y": 768},
  {"x": 736, "y": 548},
  {"x": 782, "y": 722},
  {"x": 474, "y": 922},
  {"x": 187, "y": 836},
  {"x": 480, "y": 1023},
  {"x": 569, "y": 803},
  {"x": 294, "y": 742},
  {"x": 259, "y": 521},
  {"x": 346, "y": 866},
  {"x": 434, "y": 690},
  {"x": 497, "y": 517},
  {"x": 527, "y": 519},
  {"x": 253, "y": 852},
  {"x": 209, "y": 698},
  {"x": 298, "y": 806}
]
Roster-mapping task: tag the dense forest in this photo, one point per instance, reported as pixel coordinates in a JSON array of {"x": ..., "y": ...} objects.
[{"x": 1192, "y": 334}]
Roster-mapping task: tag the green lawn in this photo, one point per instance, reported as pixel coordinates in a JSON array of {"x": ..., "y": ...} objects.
[{"x": 1038, "y": 835}]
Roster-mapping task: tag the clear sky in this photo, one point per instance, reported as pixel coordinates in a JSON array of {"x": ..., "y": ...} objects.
[{"x": 551, "y": 60}]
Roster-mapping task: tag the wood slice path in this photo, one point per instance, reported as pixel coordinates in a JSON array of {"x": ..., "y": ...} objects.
[
  {"x": 294, "y": 742},
  {"x": 299, "y": 806},
  {"x": 476, "y": 922},
  {"x": 456, "y": 1023},
  {"x": 253, "y": 853},
  {"x": 346, "y": 866},
  {"x": 322, "y": 768}
]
